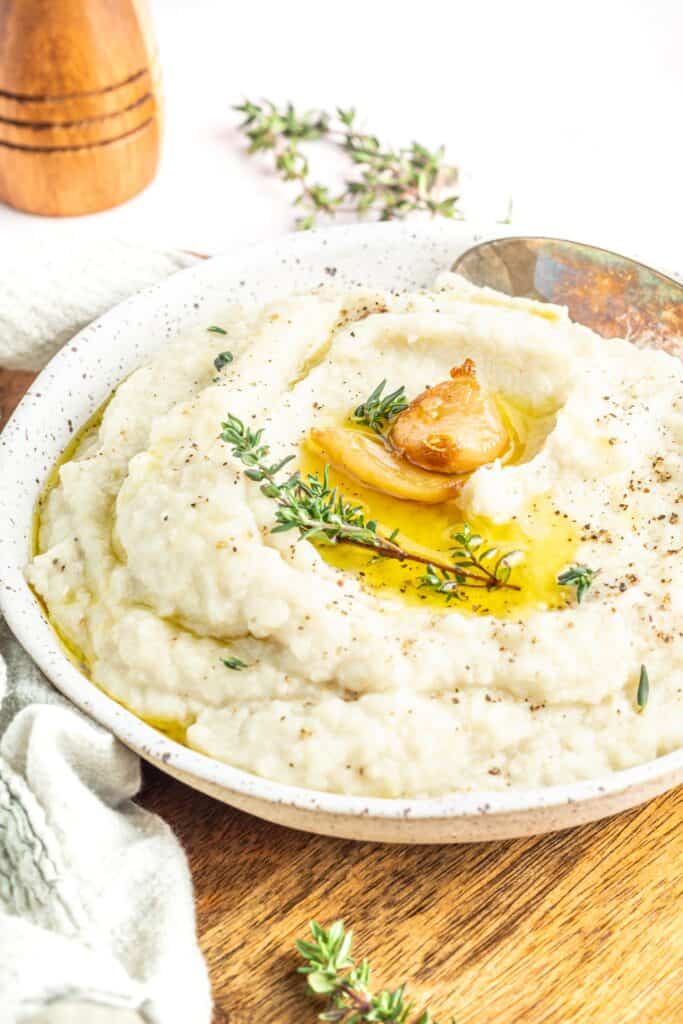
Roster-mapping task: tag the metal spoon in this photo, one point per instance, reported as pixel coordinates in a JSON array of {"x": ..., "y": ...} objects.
[{"x": 615, "y": 296}]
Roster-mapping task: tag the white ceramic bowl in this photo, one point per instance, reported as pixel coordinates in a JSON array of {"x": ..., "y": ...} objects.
[{"x": 76, "y": 382}]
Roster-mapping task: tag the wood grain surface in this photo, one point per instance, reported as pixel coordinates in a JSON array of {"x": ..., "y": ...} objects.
[{"x": 578, "y": 927}]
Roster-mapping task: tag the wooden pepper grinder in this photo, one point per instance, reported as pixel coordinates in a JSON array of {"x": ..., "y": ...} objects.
[{"x": 80, "y": 111}]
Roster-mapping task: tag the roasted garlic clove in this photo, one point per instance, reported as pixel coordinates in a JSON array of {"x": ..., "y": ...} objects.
[
  {"x": 379, "y": 468},
  {"x": 453, "y": 427}
]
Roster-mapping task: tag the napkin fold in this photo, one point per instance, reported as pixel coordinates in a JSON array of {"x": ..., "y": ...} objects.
[
  {"x": 49, "y": 292},
  {"x": 96, "y": 910}
]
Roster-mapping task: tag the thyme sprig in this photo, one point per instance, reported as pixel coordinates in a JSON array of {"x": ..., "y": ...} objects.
[
  {"x": 331, "y": 972},
  {"x": 386, "y": 181},
  {"x": 579, "y": 576},
  {"x": 247, "y": 447},
  {"x": 319, "y": 512},
  {"x": 378, "y": 409},
  {"x": 492, "y": 568}
]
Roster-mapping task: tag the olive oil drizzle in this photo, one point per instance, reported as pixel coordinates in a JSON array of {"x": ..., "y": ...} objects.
[
  {"x": 548, "y": 538},
  {"x": 74, "y": 652}
]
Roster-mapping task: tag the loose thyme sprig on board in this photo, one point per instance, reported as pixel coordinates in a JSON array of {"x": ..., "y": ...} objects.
[
  {"x": 331, "y": 972},
  {"x": 378, "y": 410},
  {"x": 387, "y": 182},
  {"x": 579, "y": 576},
  {"x": 494, "y": 568},
  {"x": 319, "y": 512}
]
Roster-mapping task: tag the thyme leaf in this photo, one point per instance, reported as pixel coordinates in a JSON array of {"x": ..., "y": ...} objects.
[
  {"x": 579, "y": 576},
  {"x": 643, "y": 693},
  {"x": 236, "y": 664},
  {"x": 222, "y": 359}
]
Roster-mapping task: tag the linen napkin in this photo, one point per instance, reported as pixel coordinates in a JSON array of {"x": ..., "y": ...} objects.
[
  {"x": 96, "y": 911},
  {"x": 49, "y": 292}
]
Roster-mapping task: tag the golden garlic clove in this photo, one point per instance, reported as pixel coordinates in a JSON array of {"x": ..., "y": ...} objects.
[
  {"x": 453, "y": 427},
  {"x": 377, "y": 467}
]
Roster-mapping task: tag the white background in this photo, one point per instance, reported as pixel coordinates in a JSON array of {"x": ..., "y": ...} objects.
[{"x": 574, "y": 109}]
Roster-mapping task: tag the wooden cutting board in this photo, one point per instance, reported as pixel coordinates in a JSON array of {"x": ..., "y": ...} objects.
[{"x": 578, "y": 927}]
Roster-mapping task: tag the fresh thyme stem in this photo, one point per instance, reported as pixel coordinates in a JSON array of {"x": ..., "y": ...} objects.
[
  {"x": 319, "y": 512},
  {"x": 386, "y": 549},
  {"x": 489, "y": 565},
  {"x": 389, "y": 182},
  {"x": 332, "y": 973}
]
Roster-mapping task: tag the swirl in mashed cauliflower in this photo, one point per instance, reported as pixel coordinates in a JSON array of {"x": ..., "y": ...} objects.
[{"x": 156, "y": 558}]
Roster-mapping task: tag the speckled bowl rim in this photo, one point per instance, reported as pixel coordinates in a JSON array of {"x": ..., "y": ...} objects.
[{"x": 72, "y": 386}]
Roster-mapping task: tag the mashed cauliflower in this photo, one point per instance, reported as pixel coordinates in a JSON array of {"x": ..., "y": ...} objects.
[{"x": 157, "y": 561}]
